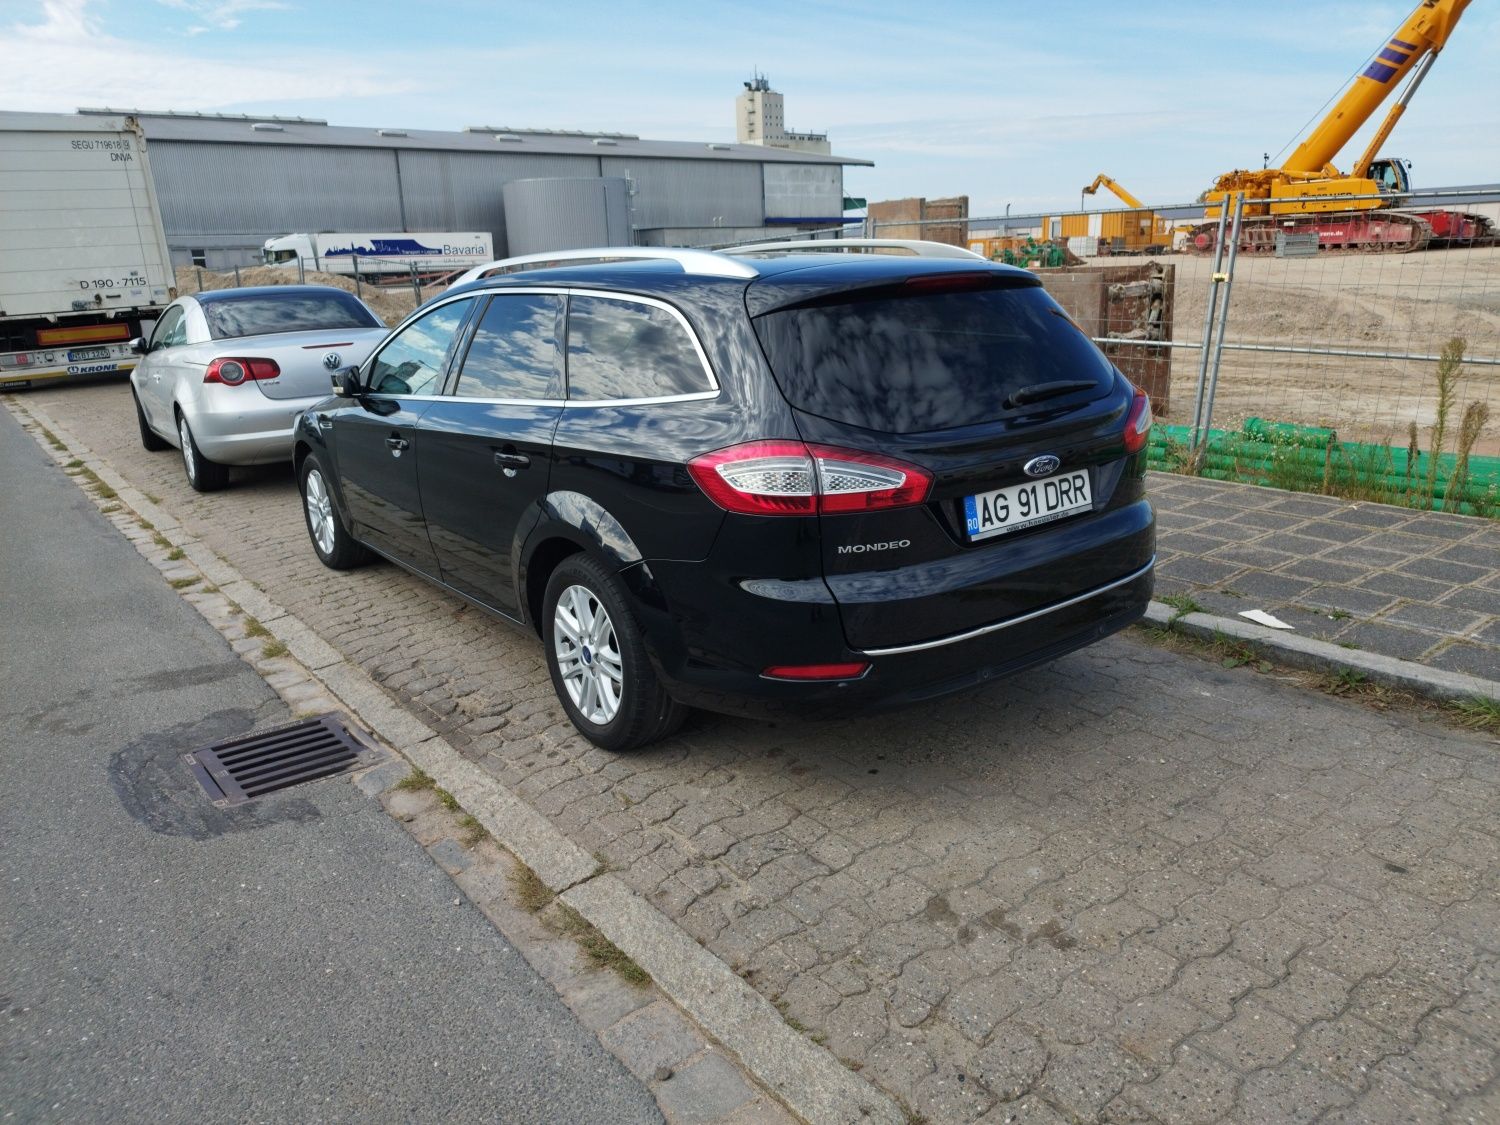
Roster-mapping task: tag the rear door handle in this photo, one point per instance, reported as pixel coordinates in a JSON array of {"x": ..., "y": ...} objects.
[
  {"x": 512, "y": 460},
  {"x": 397, "y": 444}
]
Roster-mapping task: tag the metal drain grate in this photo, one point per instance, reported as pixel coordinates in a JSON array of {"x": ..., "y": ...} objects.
[{"x": 237, "y": 770}]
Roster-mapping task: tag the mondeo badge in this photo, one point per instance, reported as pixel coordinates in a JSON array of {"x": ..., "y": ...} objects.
[
  {"x": 332, "y": 361},
  {"x": 1042, "y": 466}
]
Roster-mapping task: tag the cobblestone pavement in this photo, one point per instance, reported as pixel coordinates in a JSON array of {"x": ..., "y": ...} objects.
[
  {"x": 1420, "y": 586},
  {"x": 1129, "y": 886}
]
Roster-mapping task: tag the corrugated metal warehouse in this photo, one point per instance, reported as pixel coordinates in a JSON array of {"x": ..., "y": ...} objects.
[{"x": 226, "y": 183}]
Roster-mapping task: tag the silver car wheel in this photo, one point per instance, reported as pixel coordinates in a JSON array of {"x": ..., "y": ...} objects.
[
  {"x": 588, "y": 654},
  {"x": 319, "y": 511},
  {"x": 186, "y": 437}
]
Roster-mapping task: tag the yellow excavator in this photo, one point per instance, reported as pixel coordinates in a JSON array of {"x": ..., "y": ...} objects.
[
  {"x": 1139, "y": 231},
  {"x": 1131, "y": 232},
  {"x": 1285, "y": 199}
]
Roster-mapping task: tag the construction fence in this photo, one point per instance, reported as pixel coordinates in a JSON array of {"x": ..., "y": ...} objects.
[{"x": 1286, "y": 364}]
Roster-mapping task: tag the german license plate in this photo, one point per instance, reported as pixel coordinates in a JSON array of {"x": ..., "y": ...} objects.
[
  {"x": 77, "y": 355},
  {"x": 1026, "y": 505}
]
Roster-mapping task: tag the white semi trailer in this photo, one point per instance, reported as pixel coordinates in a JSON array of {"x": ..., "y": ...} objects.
[
  {"x": 83, "y": 258},
  {"x": 382, "y": 253}
]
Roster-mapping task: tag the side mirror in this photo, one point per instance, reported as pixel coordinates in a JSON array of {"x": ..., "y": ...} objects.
[
  {"x": 138, "y": 345},
  {"x": 346, "y": 383}
]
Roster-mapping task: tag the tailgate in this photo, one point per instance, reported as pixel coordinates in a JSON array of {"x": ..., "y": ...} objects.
[{"x": 917, "y": 574}]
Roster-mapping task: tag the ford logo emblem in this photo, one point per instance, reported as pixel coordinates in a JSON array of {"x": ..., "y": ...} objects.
[
  {"x": 332, "y": 361},
  {"x": 1041, "y": 466}
]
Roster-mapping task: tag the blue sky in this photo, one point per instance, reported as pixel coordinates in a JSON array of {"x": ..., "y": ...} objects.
[{"x": 1006, "y": 102}]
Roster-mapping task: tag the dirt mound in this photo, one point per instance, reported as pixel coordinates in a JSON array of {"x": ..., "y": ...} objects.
[{"x": 390, "y": 302}]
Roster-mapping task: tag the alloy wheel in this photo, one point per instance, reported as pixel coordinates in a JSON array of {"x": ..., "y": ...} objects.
[
  {"x": 319, "y": 511},
  {"x": 588, "y": 654},
  {"x": 185, "y": 435}
]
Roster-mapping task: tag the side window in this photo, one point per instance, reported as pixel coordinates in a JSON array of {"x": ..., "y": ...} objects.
[
  {"x": 171, "y": 329},
  {"x": 514, "y": 352},
  {"x": 625, "y": 349},
  {"x": 414, "y": 360}
]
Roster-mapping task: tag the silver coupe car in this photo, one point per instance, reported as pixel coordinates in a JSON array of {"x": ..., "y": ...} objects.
[{"x": 226, "y": 372}]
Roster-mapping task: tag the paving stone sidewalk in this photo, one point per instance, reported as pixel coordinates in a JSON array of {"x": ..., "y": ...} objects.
[
  {"x": 1129, "y": 886},
  {"x": 1419, "y": 586}
]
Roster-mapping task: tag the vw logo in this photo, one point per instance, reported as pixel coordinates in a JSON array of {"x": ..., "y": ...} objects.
[
  {"x": 1041, "y": 466},
  {"x": 332, "y": 361}
]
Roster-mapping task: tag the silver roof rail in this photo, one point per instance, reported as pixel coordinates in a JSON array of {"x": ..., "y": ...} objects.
[
  {"x": 692, "y": 261},
  {"x": 916, "y": 246}
]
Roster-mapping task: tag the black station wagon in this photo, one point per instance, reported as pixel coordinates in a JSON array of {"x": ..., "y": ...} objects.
[{"x": 778, "y": 480}]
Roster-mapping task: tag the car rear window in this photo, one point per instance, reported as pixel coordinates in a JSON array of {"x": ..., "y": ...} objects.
[
  {"x": 231, "y": 317},
  {"x": 919, "y": 361}
]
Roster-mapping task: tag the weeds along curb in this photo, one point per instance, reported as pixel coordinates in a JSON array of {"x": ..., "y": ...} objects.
[
  {"x": 311, "y": 675},
  {"x": 1311, "y": 655}
]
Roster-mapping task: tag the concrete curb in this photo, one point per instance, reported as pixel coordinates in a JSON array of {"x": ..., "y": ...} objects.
[
  {"x": 813, "y": 1083},
  {"x": 1322, "y": 656},
  {"x": 804, "y": 1075}
]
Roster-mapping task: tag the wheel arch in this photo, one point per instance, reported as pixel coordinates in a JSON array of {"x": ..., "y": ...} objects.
[{"x": 569, "y": 523}]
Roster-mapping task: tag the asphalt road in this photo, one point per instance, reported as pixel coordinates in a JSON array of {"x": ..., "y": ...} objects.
[{"x": 300, "y": 958}]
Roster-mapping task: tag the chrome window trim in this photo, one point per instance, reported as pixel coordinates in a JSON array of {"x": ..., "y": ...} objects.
[
  {"x": 676, "y": 314},
  {"x": 574, "y": 403},
  {"x": 424, "y": 310},
  {"x": 595, "y": 403},
  {"x": 1021, "y": 620}
]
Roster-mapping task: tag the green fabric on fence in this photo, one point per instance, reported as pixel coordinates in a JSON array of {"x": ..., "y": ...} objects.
[{"x": 1312, "y": 459}]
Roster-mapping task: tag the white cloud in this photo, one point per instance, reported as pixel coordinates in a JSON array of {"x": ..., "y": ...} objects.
[
  {"x": 106, "y": 70},
  {"x": 221, "y": 15}
]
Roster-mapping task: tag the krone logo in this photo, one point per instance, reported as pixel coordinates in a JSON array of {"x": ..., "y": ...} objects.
[{"x": 1042, "y": 466}]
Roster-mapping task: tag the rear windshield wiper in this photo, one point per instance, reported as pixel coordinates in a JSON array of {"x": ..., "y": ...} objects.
[{"x": 1037, "y": 392}]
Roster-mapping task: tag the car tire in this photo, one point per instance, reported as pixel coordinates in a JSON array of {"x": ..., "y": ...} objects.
[
  {"x": 596, "y": 654},
  {"x": 151, "y": 441},
  {"x": 335, "y": 547},
  {"x": 204, "y": 475}
]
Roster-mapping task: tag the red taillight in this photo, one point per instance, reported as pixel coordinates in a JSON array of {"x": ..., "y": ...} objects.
[
  {"x": 953, "y": 282},
  {"x": 792, "y": 478},
  {"x": 234, "y": 370},
  {"x": 1138, "y": 423},
  {"x": 851, "y": 671}
]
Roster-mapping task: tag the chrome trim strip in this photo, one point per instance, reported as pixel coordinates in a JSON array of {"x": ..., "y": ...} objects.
[
  {"x": 567, "y": 404},
  {"x": 1025, "y": 617},
  {"x": 598, "y": 403}
]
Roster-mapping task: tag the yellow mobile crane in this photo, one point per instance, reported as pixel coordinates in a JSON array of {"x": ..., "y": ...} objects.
[{"x": 1282, "y": 199}]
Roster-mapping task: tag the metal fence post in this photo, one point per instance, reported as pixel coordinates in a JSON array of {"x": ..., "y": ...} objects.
[
  {"x": 1208, "y": 329},
  {"x": 416, "y": 286},
  {"x": 301, "y": 271},
  {"x": 236, "y": 275},
  {"x": 199, "y": 272},
  {"x": 1213, "y": 378},
  {"x": 358, "y": 289}
]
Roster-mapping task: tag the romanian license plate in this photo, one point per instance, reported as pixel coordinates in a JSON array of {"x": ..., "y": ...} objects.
[
  {"x": 78, "y": 355},
  {"x": 1025, "y": 505}
]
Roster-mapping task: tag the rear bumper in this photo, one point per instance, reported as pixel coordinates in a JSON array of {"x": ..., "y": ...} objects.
[
  {"x": 233, "y": 428},
  {"x": 917, "y": 673}
]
